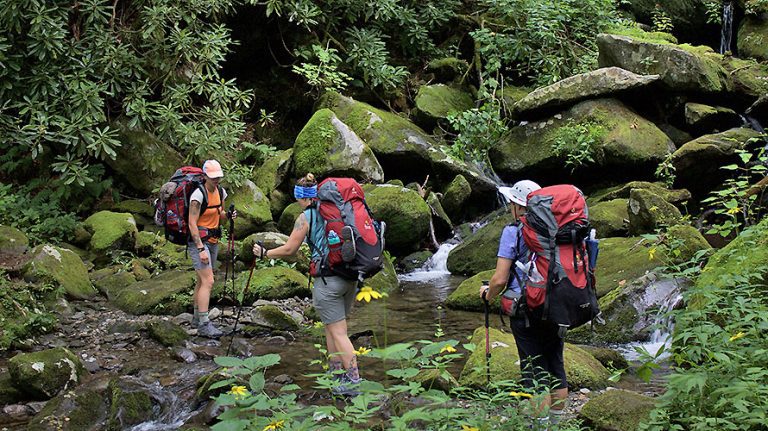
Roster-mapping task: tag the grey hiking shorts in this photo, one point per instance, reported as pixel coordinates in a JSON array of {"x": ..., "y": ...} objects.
[
  {"x": 213, "y": 252},
  {"x": 332, "y": 297}
]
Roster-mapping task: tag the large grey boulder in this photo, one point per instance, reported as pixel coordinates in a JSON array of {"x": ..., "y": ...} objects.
[
  {"x": 752, "y": 39},
  {"x": 111, "y": 231},
  {"x": 168, "y": 293},
  {"x": 704, "y": 118},
  {"x": 328, "y": 147},
  {"x": 454, "y": 197},
  {"x": 617, "y": 410},
  {"x": 42, "y": 375},
  {"x": 271, "y": 175},
  {"x": 621, "y": 140},
  {"x": 594, "y": 84},
  {"x": 13, "y": 242},
  {"x": 437, "y": 102},
  {"x": 478, "y": 251},
  {"x": 60, "y": 267}
]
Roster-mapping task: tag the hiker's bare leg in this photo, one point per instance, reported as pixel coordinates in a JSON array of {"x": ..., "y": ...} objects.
[
  {"x": 197, "y": 289},
  {"x": 333, "y": 352},
  {"x": 202, "y": 294},
  {"x": 341, "y": 343}
]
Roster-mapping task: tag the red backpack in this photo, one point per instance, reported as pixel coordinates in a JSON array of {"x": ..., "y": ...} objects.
[
  {"x": 341, "y": 205},
  {"x": 172, "y": 209},
  {"x": 560, "y": 285}
]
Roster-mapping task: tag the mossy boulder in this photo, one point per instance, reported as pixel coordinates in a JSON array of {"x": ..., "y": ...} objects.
[
  {"x": 705, "y": 118},
  {"x": 511, "y": 94},
  {"x": 129, "y": 404},
  {"x": 414, "y": 260},
  {"x": 742, "y": 258},
  {"x": 328, "y": 147},
  {"x": 649, "y": 211},
  {"x": 168, "y": 293},
  {"x": 436, "y": 102},
  {"x": 253, "y": 209},
  {"x": 42, "y": 375},
  {"x": 697, "y": 162},
  {"x": 454, "y": 197},
  {"x": 467, "y": 295},
  {"x": 406, "y": 214},
  {"x": 12, "y": 241},
  {"x": 271, "y": 175},
  {"x": 403, "y": 146},
  {"x": 478, "y": 251},
  {"x": 386, "y": 280},
  {"x": 135, "y": 207},
  {"x": 82, "y": 409},
  {"x": 111, "y": 231},
  {"x": 609, "y": 218},
  {"x": 272, "y": 240},
  {"x": 617, "y": 410},
  {"x": 60, "y": 267},
  {"x": 622, "y": 192},
  {"x": 611, "y": 359},
  {"x": 621, "y": 141},
  {"x": 143, "y": 162},
  {"x": 8, "y": 393},
  {"x": 685, "y": 241},
  {"x": 288, "y": 218},
  {"x": 621, "y": 261},
  {"x": 270, "y": 316},
  {"x": 148, "y": 242},
  {"x": 166, "y": 333},
  {"x": 589, "y": 85},
  {"x": 582, "y": 370},
  {"x": 170, "y": 255},
  {"x": 447, "y": 69},
  {"x": 113, "y": 284},
  {"x": 277, "y": 282},
  {"x": 752, "y": 39},
  {"x": 683, "y": 68}
]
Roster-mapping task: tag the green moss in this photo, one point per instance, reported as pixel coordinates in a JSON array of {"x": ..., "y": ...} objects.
[
  {"x": 448, "y": 67},
  {"x": 434, "y": 378},
  {"x": 649, "y": 211},
  {"x": 253, "y": 209},
  {"x": 414, "y": 261},
  {"x": 8, "y": 393},
  {"x": 170, "y": 256},
  {"x": 41, "y": 375},
  {"x": 288, "y": 218},
  {"x": 386, "y": 280},
  {"x": 148, "y": 242},
  {"x": 406, "y": 214},
  {"x": 111, "y": 231},
  {"x": 621, "y": 261},
  {"x": 686, "y": 241},
  {"x": 622, "y": 192},
  {"x": 511, "y": 94},
  {"x": 60, "y": 267},
  {"x": 611, "y": 359},
  {"x": 157, "y": 295},
  {"x": 134, "y": 206},
  {"x": 113, "y": 284},
  {"x": 127, "y": 408},
  {"x": 478, "y": 251},
  {"x": 467, "y": 295},
  {"x": 166, "y": 333},
  {"x": 608, "y": 217},
  {"x": 314, "y": 142},
  {"x": 12, "y": 241},
  {"x": 278, "y": 282},
  {"x": 438, "y": 101},
  {"x": 742, "y": 258},
  {"x": 72, "y": 411},
  {"x": 617, "y": 410},
  {"x": 276, "y": 318},
  {"x": 438, "y": 212},
  {"x": 457, "y": 192},
  {"x": 637, "y": 33},
  {"x": 272, "y": 173}
]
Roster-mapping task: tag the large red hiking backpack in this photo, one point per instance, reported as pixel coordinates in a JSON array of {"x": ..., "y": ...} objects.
[
  {"x": 341, "y": 203},
  {"x": 172, "y": 209},
  {"x": 560, "y": 286}
]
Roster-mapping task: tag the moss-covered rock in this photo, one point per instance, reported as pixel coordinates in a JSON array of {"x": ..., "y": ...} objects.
[
  {"x": 170, "y": 255},
  {"x": 72, "y": 411},
  {"x": 704, "y": 118},
  {"x": 135, "y": 207},
  {"x": 271, "y": 175},
  {"x": 589, "y": 85},
  {"x": 447, "y": 69},
  {"x": 683, "y": 68},
  {"x": 621, "y": 141},
  {"x": 456, "y": 194},
  {"x": 113, "y": 284},
  {"x": 253, "y": 209},
  {"x": 60, "y": 267},
  {"x": 288, "y": 218},
  {"x": 167, "y": 293},
  {"x": 684, "y": 242},
  {"x": 272, "y": 240},
  {"x": 617, "y": 410},
  {"x": 414, "y": 260},
  {"x": 697, "y": 162},
  {"x": 581, "y": 369},
  {"x": 129, "y": 405},
  {"x": 147, "y": 243},
  {"x": 478, "y": 251},
  {"x": 12, "y": 241},
  {"x": 752, "y": 39},
  {"x": 143, "y": 162},
  {"x": 437, "y": 102},
  {"x": 649, "y": 211},
  {"x": 41, "y": 375},
  {"x": 622, "y": 192},
  {"x": 328, "y": 147},
  {"x": 511, "y": 94},
  {"x": 401, "y": 144},
  {"x": 111, "y": 231},
  {"x": 609, "y": 218},
  {"x": 386, "y": 280},
  {"x": 166, "y": 333},
  {"x": 611, "y": 359},
  {"x": 742, "y": 258},
  {"x": 277, "y": 282},
  {"x": 8, "y": 393},
  {"x": 621, "y": 261},
  {"x": 269, "y": 316},
  {"x": 467, "y": 295},
  {"x": 406, "y": 214}
]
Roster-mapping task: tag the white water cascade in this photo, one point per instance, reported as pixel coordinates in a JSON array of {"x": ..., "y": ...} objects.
[
  {"x": 726, "y": 32},
  {"x": 436, "y": 267}
]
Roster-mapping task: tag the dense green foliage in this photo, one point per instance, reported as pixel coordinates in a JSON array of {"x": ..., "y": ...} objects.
[
  {"x": 36, "y": 212},
  {"x": 23, "y": 312}
]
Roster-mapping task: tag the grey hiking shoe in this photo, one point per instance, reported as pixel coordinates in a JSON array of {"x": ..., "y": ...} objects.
[
  {"x": 348, "y": 248},
  {"x": 347, "y": 387},
  {"x": 207, "y": 330}
]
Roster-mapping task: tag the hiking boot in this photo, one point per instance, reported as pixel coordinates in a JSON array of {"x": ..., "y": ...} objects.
[
  {"x": 207, "y": 330},
  {"x": 346, "y": 387},
  {"x": 195, "y": 322},
  {"x": 348, "y": 248}
]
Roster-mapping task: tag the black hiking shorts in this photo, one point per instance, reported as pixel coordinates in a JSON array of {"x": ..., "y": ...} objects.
[{"x": 541, "y": 354}]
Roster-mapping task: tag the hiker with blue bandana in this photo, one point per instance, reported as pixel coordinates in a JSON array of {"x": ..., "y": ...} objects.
[{"x": 332, "y": 295}]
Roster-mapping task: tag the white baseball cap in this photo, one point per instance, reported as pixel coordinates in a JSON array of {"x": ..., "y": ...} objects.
[{"x": 519, "y": 192}]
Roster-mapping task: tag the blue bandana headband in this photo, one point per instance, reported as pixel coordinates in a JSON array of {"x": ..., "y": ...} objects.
[{"x": 300, "y": 192}]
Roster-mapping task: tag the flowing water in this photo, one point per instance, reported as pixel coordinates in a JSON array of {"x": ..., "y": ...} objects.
[{"x": 726, "y": 32}]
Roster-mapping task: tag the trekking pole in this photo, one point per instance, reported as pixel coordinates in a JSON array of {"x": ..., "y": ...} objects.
[
  {"x": 240, "y": 309},
  {"x": 230, "y": 252},
  {"x": 486, "y": 309}
]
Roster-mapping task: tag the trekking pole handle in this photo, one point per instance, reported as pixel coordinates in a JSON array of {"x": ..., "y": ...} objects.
[
  {"x": 263, "y": 250},
  {"x": 230, "y": 212}
]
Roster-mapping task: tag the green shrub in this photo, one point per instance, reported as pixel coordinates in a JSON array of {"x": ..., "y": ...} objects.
[{"x": 39, "y": 216}]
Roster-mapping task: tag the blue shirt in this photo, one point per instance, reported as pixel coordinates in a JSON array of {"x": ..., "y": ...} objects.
[{"x": 512, "y": 246}]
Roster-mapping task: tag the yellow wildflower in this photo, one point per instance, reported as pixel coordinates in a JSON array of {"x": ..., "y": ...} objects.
[
  {"x": 319, "y": 325},
  {"x": 737, "y": 336},
  {"x": 362, "y": 351},
  {"x": 734, "y": 210},
  {"x": 520, "y": 395},
  {"x": 367, "y": 294},
  {"x": 274, "y": 425},
  {"x": 651, "y": 253},
  {"x": 469, "y": 428},
  {"x": 448, "y": 348},
  {"x": 239, "y": 391}
]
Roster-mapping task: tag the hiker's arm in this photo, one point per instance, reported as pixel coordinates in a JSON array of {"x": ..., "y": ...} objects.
[
  {"x": 194, "y": 215},
  {"x": 300, "y": 230},
  {"x": 500, "y": 277}
]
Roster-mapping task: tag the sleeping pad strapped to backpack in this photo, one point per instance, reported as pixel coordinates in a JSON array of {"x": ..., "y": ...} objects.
[
  {"x": 341, "y": 204},
  {"x": 560, "y": 284}
]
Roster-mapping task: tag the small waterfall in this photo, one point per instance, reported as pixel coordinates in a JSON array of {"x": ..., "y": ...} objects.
[
  {"x": 435, "y": 267},
  {"x": 726, "y": 32},
  {"x": 172, "y": 411}
]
